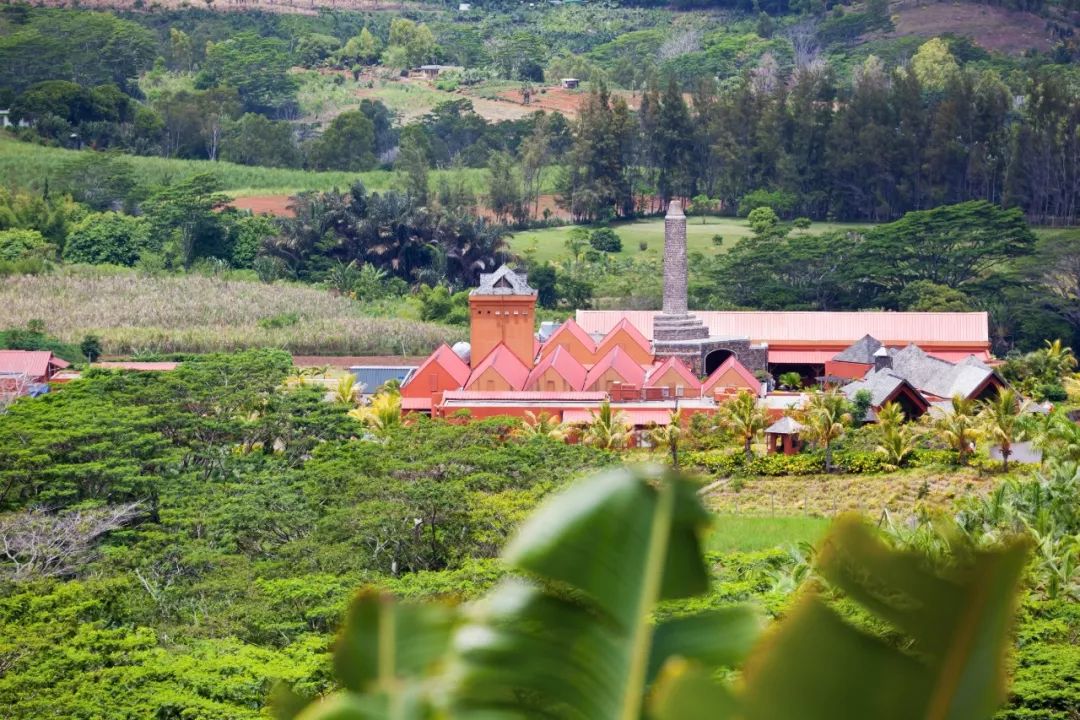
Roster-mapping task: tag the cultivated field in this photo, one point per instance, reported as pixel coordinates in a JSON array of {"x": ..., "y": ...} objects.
[
  {"x": 134, "y": 314},
  {"x": 902, "y": 493},
  {"x": 28, "y": 165}
]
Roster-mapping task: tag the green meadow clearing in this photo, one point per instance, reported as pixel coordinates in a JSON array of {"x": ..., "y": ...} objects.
[
  {"x": 749, "y": 533},
  {"x": 550, "y": 243}
]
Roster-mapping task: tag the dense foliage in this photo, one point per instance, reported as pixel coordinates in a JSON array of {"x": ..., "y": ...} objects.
[{"x": 260, "y": 507}]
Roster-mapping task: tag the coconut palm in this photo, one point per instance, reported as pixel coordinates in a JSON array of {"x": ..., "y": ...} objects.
[
  {"x": 790, "y": 380},
  {"x": 668, "y": 436},
  {"x": 541, "y": 425},
  {"x": 608, "y": 429},
  {"x": 743, "y": 418},
  {"x": 1002, "y": 420},
  {"x": 382, "y": 414},
  {"x": 1059, "y": 359},
  {"x": 896, "y": 440},
  {"x": 346, "y": 391},
  {"x": 960, "y": 427},
  {"x": 826, "y": 419}
]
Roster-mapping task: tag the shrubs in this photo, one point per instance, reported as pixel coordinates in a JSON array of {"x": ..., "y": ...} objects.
[
  {"x": 731, "y": 462},
  {"x": 605, "y": 240}
]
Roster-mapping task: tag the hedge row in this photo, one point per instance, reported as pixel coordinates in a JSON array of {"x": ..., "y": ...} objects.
[{"x": 733, "y": 462}]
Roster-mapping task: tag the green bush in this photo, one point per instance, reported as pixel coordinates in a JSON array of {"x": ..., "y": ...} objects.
[
  {"x": 1051, "y": 392},
  {"x": 605, "y": 240},
  {"x": 923, "y": 457}
]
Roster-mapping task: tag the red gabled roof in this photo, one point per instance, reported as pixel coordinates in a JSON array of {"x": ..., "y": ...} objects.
[
  {"x": 732, "y": 363},
  {"x": 35, "y": 363},
  {"x": 570, "y": 327},
  {"x": 633, "y": 332},
  {"x": 620, "y": 362},
  {"x": 449, "y": 361},
  {"x": 502, "y": 360},
  {"x": 783, "y": 327},
  {"x": 565, "y": 364},
  {"x": 673, "y": 363}
]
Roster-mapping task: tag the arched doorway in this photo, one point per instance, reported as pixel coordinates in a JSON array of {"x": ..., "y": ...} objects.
[{"x": 715, "y": 359}]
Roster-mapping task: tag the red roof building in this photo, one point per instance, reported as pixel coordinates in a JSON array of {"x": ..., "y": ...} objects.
[
  {"x": 559, "y": 371},
  {"x": 35, "y": 365},
  {"x": 731, "y": 377},
  {"x": 500, "y": 370},
  {"x": 616, "y": 367},
  {"x": 814, "y": 338},
  {"x": 627, "y": 337},
  {"x": 576, "y": 341},
  {"x": 442, "y": 371},
  {"x": 674, "y": 376}
]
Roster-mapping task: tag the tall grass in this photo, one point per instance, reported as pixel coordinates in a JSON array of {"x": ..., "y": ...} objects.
[
  {"x": 28, "y": 165},
  {"x": 135, "y": 314}
]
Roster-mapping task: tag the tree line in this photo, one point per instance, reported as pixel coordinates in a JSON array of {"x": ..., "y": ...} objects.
[{"x": 807, "y": 145}]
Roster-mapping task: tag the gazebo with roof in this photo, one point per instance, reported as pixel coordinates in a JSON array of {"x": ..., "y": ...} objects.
[{"x": 783, "y": 436}]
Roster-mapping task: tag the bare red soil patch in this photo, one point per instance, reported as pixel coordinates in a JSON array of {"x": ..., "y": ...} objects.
[
  {"x": 992, "y": 28},
  {"x": 559, "y": 99},
  {"x": 276, "y": 205}
]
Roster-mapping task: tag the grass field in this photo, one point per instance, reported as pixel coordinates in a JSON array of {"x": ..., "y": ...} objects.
[
  {"x": 747, "y": 533},
  {"x": 27, "y": 165},
  {"x": 550, "y": 242},
  {"x": 135, "y": 314},
  {"x": 900, "y": 493}
]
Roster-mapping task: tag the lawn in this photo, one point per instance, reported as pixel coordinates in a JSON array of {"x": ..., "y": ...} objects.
[
  {"x": 650, "y": 232},
  {"x": 747, "y": 533}
]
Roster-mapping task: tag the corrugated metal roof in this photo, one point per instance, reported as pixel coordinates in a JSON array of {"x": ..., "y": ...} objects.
[
  {"x": 374, "y": 377},
  {"x": 801, "y": 357},
  {"x": 34, "y": 363},
  {"x": 523, "y": 396},
  {"x": 416, "y": 403},
  {"x": 832, "y": 327}
]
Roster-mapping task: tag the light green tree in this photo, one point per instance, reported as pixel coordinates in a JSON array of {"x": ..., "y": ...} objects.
[{"x": 934, "y": 65}]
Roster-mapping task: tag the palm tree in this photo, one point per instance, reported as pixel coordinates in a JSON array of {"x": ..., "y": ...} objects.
[
  {"x": 608, "y": 429},
  {"x": 1060, "y": 360},
  {"x": 790, "y": 380},
  {"x": 744, "y": 419},
  {"x": 896, "y": 441},
  {"x": 346, "y": 390},
  {"x": 668, "y": 436},
  {"x": 826, "y": 419},
  {"x": 541, "y": 425},
  {"x": 960, "y": 427},
  {"x": 382, "y": 414},
  {"x": 1002, "y": 421}
]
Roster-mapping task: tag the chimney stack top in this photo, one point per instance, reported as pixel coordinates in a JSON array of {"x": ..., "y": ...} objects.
[{"x": 674, "y": 209}]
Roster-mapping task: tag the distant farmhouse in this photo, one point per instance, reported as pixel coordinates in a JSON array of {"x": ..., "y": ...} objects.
[{"x": 648, "y": 364}]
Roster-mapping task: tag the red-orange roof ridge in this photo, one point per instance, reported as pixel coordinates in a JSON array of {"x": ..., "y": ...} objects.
[
  {"x": 565, "y": 364},
  {"x": 623, "y": 364},
  {"x": 732, "y": 363},
  {"x": 503, "y": 360},
  {"x": 674, "y": 363}
]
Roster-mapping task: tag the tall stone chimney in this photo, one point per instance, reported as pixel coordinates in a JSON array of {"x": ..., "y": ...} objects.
[{"x": 675, "y": 269}]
